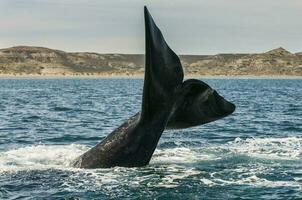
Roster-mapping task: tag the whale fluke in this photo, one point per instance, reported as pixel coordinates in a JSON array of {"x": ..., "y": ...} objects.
[
  {"x": 163, "y": 71},
  {"x": 198, "y": 104},
  {"x": 167, "y": 102},
  {"x": 133, "y": 143}
]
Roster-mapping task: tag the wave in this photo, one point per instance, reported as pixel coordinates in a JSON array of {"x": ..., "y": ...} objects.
[
  {"x": 289, "y": 148},
  {"x": 252, "y": 180},
  {"x": 60, "y": 109},
  {"x": 55, "y": 156},
  {"x": 39, "y": 157},
  {"x": 180, "y": 155},
  {"x": 209, "y": 165}
]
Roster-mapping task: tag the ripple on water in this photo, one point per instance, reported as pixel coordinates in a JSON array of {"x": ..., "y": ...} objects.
[
  {"x": 170, "y": 164},
  {"x": 253, "y": 154}
]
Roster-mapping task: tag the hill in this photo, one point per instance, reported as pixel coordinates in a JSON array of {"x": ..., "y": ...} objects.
[{"x": 26, "y": 60}]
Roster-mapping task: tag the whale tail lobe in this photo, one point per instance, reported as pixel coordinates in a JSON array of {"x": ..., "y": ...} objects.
[
  {"x": 163, "y": 71},
  {"x": 198, "y": 104}
]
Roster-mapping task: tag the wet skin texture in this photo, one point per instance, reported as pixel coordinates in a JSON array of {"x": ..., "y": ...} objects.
[{"x": 168, "y": 102}]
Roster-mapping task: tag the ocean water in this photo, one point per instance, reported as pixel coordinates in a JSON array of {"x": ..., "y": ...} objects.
[{"x": 255, "y": 153}]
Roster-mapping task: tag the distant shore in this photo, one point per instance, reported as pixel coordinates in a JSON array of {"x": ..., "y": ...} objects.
[
  {"x": 137, "y": 76},
  {"x": 41, "y": 62}
]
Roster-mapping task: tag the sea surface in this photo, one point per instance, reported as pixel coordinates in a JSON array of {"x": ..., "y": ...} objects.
[{"x": 255, "y": 153}]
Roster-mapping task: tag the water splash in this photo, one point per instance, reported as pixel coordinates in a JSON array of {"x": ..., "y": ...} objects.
[
  {"x": 168, "y": 167},
  {"x": 289, "y": 148},
  {"x": 39, "y": 157}
]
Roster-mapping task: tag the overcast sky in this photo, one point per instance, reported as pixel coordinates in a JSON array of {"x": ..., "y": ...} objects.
[{"x": 189, "y": 26}]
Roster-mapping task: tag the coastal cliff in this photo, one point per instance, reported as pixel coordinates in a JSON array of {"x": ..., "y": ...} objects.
[{"x": 26, "y": 60}]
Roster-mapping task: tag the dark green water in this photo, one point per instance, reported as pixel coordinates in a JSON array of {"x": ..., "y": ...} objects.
[{"x": 256, "y": 153}]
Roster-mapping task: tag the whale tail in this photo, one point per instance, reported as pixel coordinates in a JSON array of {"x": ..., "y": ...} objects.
[
  {"x": 163, "y": 71},
  {"x": 166, "y": 100},
  {"x": 198, "y": 104},
  {"x": 193, "y": 101}
]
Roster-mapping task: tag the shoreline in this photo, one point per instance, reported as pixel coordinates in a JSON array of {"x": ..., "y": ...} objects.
[{"x": 141, "y": 76}]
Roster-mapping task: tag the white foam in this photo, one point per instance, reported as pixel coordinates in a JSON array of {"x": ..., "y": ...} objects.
[
  {"x": 289, "y": 148},
  {"x": 39, "y": 157},
  {"x": 207, "y": 182},
  {"x": 255, "y": 182},
  {"x": 171, "y": 164},
  {"x": 180, "y": 155},
  {"x": 175, "y": 174},
  {"x": 59, "y": 156}
]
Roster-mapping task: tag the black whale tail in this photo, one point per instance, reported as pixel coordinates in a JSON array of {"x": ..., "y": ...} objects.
[
  {"x": 167, "y": 100},
  {"x": 198, "y": 104},
  {"x": 163, "y": 71},
  {"x": 187, "y": 103}
]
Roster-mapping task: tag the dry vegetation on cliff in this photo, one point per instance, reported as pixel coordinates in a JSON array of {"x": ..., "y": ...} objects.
[{"x": 25, "y": 60}]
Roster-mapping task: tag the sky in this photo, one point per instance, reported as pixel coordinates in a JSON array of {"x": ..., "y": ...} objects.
[{"x": 117, "y": 26}]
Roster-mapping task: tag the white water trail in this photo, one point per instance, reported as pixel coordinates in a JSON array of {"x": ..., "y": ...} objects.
[{"x": 174, "y": 164}]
